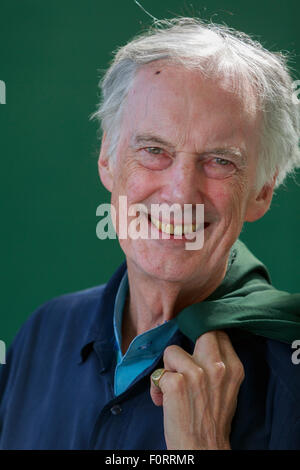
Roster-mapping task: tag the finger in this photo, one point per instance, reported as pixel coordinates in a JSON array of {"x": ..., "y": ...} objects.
[
  {"x": 234, "y": 372},
  {"x": 225, "y": 346},
  {"x": 234, "y": 366},
  {"x": 207, "y": 350},
  {"x": 215, "y": 353},
  {"x": 180, "y": 361},
  {"x": 212, "y": 359},
  {"x": 185, "y": 371},
  {"x": 176, "y": 360},
  {"x": 173, "y": 385},
  {"x": 208, "y": 355},
  {"x": 156, "y": 392}
]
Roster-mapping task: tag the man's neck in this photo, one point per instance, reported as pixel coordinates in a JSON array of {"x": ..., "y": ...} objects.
[{"x": 151, "y": 302}]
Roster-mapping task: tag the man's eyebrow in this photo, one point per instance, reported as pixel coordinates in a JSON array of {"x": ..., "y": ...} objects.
[
  {"x": 230, "y": 151},
  {"x": 150, "y": 138}
]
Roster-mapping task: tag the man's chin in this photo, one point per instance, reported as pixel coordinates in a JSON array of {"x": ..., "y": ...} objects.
[{"x": 170, "y": 268}]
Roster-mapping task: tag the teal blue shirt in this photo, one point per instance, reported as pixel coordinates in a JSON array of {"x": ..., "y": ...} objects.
[{"x": 143, "y": 350}]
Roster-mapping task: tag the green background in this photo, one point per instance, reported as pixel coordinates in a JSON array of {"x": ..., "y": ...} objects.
[{"x": 50, "y": 56}]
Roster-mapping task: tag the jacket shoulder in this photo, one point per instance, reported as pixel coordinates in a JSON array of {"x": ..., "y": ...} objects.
[
  {"x": 67, "y": 307},
  {"x": 57, "y": 322}
]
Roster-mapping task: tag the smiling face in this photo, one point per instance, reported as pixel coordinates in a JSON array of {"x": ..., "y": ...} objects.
[{"x": 186, "y": 140}]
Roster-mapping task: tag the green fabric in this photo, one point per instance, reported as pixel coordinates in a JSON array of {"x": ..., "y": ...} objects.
[{"x": 245, "y": 300}]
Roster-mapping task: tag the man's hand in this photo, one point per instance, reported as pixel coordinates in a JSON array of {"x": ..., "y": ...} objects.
[{"x": 199, "y": 393}]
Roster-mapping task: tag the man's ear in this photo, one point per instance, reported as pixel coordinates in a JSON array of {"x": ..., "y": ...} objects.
[
  {"x": 104, "y": 167},
  {"x": 261, "y": 201}
]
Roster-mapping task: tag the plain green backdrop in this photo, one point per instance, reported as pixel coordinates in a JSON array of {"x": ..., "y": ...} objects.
[{"x": 50, "y": 55}]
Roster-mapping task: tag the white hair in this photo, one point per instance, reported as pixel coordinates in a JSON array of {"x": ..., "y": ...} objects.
[{"x": 218, "y": 51}]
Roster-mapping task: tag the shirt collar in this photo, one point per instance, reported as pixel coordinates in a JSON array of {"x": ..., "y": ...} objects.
[{"x": 119, "y": 308}]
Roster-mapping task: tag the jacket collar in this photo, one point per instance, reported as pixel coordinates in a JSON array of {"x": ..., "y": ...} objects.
[{"x": 100, "y": 334}]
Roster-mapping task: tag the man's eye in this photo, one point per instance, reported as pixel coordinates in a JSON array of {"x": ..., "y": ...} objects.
[
  {"x": 148, "y": 157},
  {"x": 222, "y": 161},
  {"x": 153, "y": 150},
  {"x": 219, "y": 168}
]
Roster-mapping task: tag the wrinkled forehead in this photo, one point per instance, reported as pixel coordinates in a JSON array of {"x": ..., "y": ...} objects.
[{"x": 167, "y": 91}]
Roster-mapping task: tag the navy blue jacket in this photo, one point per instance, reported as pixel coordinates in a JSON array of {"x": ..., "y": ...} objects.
[{"x": 56, "y": 389}]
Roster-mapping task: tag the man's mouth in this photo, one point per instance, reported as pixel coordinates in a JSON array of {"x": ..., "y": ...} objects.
[{"x": 175, "y": 229}]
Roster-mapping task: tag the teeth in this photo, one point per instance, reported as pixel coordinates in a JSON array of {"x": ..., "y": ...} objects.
[
  {"x": 178, "y": 230},
  {"x": 167, "y": 228},
  {"x": 190, "y": 228},
  {"x": 156, "y": 222},
  {"x": 173, "y": 229}
]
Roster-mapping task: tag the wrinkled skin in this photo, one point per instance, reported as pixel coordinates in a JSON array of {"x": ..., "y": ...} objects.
[{"x": 199, "y": 393}]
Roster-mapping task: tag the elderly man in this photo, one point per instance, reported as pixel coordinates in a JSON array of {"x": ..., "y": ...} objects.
[{"x": 196, "y": 114}]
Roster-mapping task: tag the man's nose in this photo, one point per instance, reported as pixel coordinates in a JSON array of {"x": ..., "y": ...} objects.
[{"x": 183, "y": 185}]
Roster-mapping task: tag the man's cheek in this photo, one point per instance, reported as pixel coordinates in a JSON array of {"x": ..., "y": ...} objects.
[
  {"x": 139, "y": 188},
  {"x": 218, "y": 191}
]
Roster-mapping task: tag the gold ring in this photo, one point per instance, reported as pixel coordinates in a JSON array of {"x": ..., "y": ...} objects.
[{"x": 157, "y": 375}]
